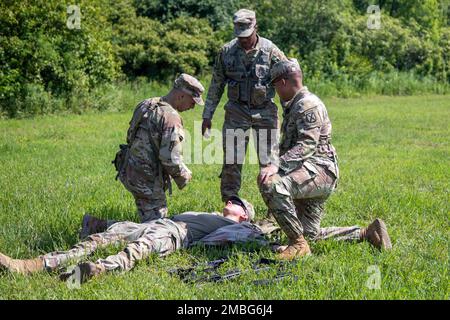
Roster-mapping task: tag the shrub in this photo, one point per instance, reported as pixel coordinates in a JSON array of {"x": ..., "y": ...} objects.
[{"x": 42, "y": 57}]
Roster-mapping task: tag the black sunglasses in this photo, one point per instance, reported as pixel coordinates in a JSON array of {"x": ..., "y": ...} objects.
[{"x": 238, "y": 203}]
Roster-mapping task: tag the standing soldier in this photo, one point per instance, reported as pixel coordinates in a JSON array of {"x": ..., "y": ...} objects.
[
  {"x": 153, "y": 153},
  {"x": 298, "y": 188},
  {"x": 244, "y": 65}
]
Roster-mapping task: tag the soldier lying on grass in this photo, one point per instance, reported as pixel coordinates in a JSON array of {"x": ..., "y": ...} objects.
[{"x": 161, "y": 236}]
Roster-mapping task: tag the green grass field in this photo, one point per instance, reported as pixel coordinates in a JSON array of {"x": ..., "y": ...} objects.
[{"x": 394, "y": 160}]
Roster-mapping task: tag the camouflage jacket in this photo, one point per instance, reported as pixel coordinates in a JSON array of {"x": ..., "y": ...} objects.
[
  {"x": 246, "y": 74},
  {"x": 155, "y": 141},
  {"x": 306, "y": 135}
]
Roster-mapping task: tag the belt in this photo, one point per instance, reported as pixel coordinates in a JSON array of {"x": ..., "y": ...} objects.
[{"x": 252, "y": 106}]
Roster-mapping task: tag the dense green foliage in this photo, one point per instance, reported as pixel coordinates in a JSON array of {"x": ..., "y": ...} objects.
[
  {"x": 147, "y": 47},
  {"x": 41, "y": 57},
  {"x": 219, "y": 13},
  {"x": 48, "y": 67},
  {"x": 394, "y": 165}
]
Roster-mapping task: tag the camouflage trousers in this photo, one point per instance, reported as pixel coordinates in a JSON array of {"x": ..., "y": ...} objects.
[
  {"x": 147, "y": 189},
  {"x": 161, "y": 236},
  {"x": 239, "y": 119},
  {"x": 297, "y": 202}
]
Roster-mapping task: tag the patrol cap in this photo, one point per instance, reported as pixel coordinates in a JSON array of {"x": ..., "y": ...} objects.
[
  {"x": 190, "y": 85},
  {"x": 244, "y": 23},
  {"x": 284, "y": 68},
  {"x": 247, "y": 206}
]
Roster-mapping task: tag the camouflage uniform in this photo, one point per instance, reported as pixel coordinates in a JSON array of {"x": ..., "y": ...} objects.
[
  {"x": 161, "y": 236},
  {"x": 154, "y": 153},
  {"x": 308, "y": 172},
  {"x": 250, "y": 104}
]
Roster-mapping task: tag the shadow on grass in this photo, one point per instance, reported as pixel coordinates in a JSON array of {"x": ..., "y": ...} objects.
[
  {"x": 55, "y": 237},
  {"x": 63, "y": 234}
]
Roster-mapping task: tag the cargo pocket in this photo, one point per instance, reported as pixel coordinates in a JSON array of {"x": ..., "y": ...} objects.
[
  {"x": 233, "y": 91},
  {"x": 332, "y": 170},
  {"x": 280, "y": 188},
  {"x": 278, "y": 184},
  {"x": 258, "y": 95},
  {"x": 311, "y": 169}
]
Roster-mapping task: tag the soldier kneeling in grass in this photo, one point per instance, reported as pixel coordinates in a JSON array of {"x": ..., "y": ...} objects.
[
  {"x": 160, "y": 236},
  {"x": 296, "y": 190}
]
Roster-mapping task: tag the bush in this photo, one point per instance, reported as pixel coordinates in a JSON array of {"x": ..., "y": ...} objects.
[
  {"x": 149, "y": 48},
  {"x": 42, "y": 57}
]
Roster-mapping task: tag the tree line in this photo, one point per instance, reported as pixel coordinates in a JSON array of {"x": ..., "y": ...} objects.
[{"x": 54, "y": 51}]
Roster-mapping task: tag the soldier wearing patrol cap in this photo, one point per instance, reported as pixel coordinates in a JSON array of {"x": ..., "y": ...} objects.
[
  {"x": 244, "y": 66},
  {"x": 153, "y": 153},
  {"x": 296, "y": 190}
]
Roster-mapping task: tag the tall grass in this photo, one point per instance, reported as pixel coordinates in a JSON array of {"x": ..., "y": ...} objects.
[
  {"x": 112, "y": 97},
  {"x": 377, "y": 83}
]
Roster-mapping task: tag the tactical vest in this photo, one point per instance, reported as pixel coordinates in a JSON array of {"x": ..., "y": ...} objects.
[
  {"x": 121, "y": 158},
  {"x": 249, "y": 86}
]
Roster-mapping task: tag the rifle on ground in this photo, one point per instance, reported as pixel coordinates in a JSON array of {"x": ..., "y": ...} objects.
[{"x": 210, "y": 272}]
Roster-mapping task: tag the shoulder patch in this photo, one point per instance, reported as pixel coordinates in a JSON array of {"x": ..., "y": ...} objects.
[
  {"x": 176, "y": 138},
  {"x": 310, "y": 117},
  {"x": 170, "y": 115}
]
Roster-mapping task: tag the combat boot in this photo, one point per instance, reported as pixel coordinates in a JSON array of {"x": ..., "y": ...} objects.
[
  {"x": 21, "y": 266},
  {"x": 376, "y": 233},
  {"x": 91, "y": 225},
  {"x": 89, "y": 270},
  {"x": 296, "y": 248}
]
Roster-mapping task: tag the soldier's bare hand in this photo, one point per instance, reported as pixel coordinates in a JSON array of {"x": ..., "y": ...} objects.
[
  {"x": 266, "y": 173},
  {"x": 206, "y": 125}
]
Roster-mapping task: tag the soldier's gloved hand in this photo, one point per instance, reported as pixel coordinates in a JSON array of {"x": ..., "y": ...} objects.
[
  {"x": 206, "y": 125},
  {"x": 184, "y": 178}
]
